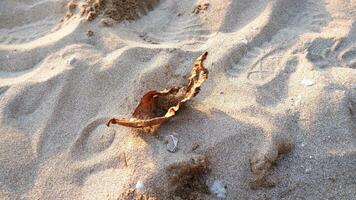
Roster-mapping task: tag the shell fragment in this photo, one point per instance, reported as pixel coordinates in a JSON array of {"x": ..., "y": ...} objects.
[{"x": 172, "y": 145}]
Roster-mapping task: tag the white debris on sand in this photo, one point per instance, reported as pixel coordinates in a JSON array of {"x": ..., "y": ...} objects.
[{"x": 218, "y": 189}]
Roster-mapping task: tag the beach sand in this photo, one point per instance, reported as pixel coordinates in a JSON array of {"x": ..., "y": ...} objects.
[{"x": 276, "y": 119}]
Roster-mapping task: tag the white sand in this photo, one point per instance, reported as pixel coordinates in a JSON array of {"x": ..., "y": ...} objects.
[{"x": 59, "y": 86}]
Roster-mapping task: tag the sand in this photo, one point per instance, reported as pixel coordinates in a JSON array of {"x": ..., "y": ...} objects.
[{"x": 276, "y": 119}]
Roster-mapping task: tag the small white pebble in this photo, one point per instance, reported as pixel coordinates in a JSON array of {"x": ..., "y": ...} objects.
[
  {"x": 72, "y": 60},
  {"x": 310, "y": 157},
  {"x": 302, "y": 145},
  {"x": 307, "y": 82},
  {"x": 172, "y": 145},
  {"x": 244, "y": 40},
  {"x": 218, "y": 189},
  {"x": 308, "y": 169},
  {"x": 140, "y": 186}
]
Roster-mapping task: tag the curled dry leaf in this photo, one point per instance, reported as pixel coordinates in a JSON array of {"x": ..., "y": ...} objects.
[{"x": 157, "y": 107}]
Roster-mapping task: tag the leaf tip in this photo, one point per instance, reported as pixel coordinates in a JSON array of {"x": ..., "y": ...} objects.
[{"x": 109, "y": 122}]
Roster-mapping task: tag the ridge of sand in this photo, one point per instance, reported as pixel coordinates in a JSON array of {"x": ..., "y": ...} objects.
[{"x": 62, "y": 78}]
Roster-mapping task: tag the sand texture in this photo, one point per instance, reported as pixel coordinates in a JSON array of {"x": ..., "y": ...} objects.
[{"x": 276, "y": 118}]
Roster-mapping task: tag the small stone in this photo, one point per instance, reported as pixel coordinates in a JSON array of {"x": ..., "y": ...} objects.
[
  {"x": 107, "y": 22},
  {"x": 142, "y": 34},
  {"x": 90, "y": 33},
  {"x": 218, "y": 189},
  {"x": 72, "y": 60},
  {"x": 308, "y": 82},
  {"x": 172, "y": 145},
  {"x": 308, "y": 170},
  {"x": 332, "y": 179},
  {"x": 194, "y": 146},
  {"x": 244, "y": 41},
  {"x": 140, "y": 186},
  {"x": 91, "y": 16},
  {"x": 171, "y": 50}
]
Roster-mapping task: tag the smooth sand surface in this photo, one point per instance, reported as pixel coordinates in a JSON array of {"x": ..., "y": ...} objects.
[{"x": 276, "y": 118}]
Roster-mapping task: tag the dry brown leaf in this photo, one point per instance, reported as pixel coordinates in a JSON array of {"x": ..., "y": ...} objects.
[{"x": 157, "y": 107}]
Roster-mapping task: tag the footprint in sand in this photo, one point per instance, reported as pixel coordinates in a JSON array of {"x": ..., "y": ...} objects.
[
  {"x": 331, "y": 51},
  {"x": 22, "y": 21},
  {"x": 179, "y": 26},
  {"x": 260, "y": 65},
  {"x": 264, "y": 67},
  {"x": 93, "y": 138},
  {"x": 276, "y": 89},
  {"x": 102, "y": 159},
  {"x": 316, "y": 14},
  {"x": 261, "y": 61},
  {"x": 91, "y": 153},
  {"x": 328, "y": 52},
  {"x": 183, "y": 28}
]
